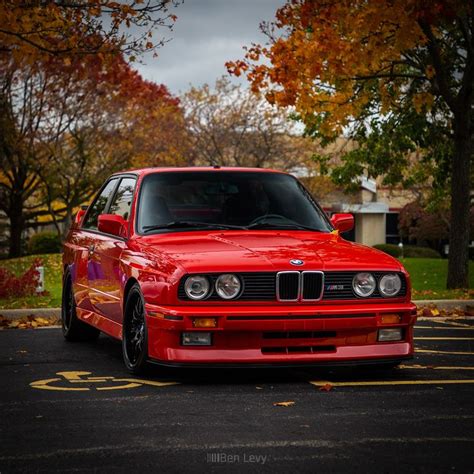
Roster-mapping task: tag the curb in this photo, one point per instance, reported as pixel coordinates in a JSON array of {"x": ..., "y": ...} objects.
[
  {"x": 55, "y": 313},
  {"x": 445, "y": 304},
  {"x": 47, "y": 313}
]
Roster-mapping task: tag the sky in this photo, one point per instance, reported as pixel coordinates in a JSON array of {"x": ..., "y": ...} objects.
[{"x": 206, "y": 35}]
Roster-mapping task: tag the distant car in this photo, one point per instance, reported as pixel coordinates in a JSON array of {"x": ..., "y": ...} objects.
[{"x": 229, "y": 267}]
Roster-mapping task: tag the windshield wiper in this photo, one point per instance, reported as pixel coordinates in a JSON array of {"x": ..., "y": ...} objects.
[
  {"x": 184, "y": 224},
  {"x": 269, "y": 225}
]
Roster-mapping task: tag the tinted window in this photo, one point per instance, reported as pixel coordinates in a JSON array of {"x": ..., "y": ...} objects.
[
  {"x": 122, "y": 200},
  {"x": 99, "y": 205},
  {"x": 226, "y": 198}
]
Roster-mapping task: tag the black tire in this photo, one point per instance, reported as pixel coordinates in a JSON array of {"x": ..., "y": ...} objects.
[
  {"x": 134, "y": 332},
  {"x": 73, "y": 328}
]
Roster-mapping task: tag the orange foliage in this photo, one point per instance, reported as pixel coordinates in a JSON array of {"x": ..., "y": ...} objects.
[
  {"x": 330, "y": 59},
  {"x": 30, "y": 28}
]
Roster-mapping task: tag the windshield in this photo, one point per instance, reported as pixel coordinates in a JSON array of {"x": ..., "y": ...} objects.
[{"x": 183, "y": 201}]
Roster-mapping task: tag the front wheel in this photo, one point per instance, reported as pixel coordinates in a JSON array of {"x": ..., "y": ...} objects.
[
  {"x": 73, "y": 328},
  {"x": 134, "y": 332}
]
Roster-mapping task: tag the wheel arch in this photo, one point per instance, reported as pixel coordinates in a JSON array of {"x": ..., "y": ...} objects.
[{"x": 130, "y": 282}]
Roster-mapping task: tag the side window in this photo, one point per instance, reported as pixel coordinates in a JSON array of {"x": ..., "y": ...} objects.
[
  {"x": 122, "y": 200},
  {"x": 99, "y": 206}
]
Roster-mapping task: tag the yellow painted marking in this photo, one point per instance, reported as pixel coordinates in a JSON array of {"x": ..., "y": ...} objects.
[
  {"x": 45, "y": 385},
  {"x": 120, "y": 387},
  {"x": 454, "y": 328},
  {"x": 78, "y": 377},
  {"x": 73, "y": 376},
  {"x": 444, "y": 338},
  {"x": 149, "y": 382},
  {"x": 391, "y": 382},
  {"x": 450, "y": 322},
  {"x": 426, "y": 351},
  {"x": 434, "y": 367}
]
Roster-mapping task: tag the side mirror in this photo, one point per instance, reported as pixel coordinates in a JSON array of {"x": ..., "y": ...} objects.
[
  {"x": 79, "y": 216},
  {"x": 112, "y": 224},
  {"x": 343, "y": 222}
]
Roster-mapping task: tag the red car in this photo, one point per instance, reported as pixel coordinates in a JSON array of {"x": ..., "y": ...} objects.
[{"x": 230, "y": 266}]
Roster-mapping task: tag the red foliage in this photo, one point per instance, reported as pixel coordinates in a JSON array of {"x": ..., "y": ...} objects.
[{"x": 23, "y": 285}]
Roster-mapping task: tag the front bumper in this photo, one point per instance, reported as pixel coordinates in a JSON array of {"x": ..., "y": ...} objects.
[{"x": 281, "y": 335}]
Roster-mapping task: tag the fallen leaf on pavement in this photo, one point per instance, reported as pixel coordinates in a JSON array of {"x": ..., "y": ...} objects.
[
  {"x": 283, "y": 404},
  {"x": 326, "y": 387}
]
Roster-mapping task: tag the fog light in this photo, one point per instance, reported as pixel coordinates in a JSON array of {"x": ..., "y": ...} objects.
[
  {"x": 390, "y": 318},
  {"x": 386, "y": 335},
  {"x": 196, "y": 339},
  {"x": 204, "y": 323}
]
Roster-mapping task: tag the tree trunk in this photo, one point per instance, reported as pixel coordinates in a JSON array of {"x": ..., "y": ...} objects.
[
  {"x": 67, "y": 221},
  {"x": 17, "y": 225},
  {"x": 458, "y": 266}
]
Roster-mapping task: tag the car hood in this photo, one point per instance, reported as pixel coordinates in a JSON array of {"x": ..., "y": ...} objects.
[{"x": 239, "y": 251}]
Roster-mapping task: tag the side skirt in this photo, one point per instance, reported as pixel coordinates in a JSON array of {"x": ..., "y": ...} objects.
[{"x": 98, "y": 321}]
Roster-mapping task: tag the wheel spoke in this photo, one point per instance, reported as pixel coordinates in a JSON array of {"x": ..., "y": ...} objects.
[
  {"x": 68, "y": 306},
  {"x": 135, "y": 332}
]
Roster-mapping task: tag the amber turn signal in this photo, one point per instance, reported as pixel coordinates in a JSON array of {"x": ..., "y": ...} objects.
[
  {"x": 204, "y": 323},
  {"x": 390, "y": 318}
]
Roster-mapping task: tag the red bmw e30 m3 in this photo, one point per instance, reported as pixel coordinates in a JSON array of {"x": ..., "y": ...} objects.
[{"x": 229, "y": 266}]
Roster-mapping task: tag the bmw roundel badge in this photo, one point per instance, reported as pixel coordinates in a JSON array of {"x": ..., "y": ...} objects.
[{"x": 296, "y": 262}]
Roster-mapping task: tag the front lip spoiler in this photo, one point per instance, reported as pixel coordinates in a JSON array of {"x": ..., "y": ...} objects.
[{"x": 282, "y": 365}]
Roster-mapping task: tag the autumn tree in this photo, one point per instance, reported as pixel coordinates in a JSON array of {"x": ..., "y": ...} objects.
[
  {"x": 34, "y": 28},
  {"x": 345, "y": 64},
  {"x": 35, "y": 108},
  {"x": 131, "y": 122},
  {"x": 231, "y": 126},
  {"x": 66, "y": 127},
  {"x": 152, "y": 130}
]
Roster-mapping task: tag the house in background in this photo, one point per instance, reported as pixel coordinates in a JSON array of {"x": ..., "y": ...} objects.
[{"x": 375, "y": 208}]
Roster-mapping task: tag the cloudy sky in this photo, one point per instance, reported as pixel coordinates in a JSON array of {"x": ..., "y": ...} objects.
[{"x": 206, "y": 35}]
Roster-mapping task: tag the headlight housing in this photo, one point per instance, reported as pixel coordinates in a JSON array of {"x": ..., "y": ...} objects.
[
  {"x": 364, "y": 284},
  {"x": 228, "y": 286},
  {"x": 197, "y": 287},
  {"x": 390, "y": 285}
]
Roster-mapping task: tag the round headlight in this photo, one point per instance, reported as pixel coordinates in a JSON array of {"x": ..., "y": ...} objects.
[
  {"x": 390, "y": 284},
  {"x": 364, "y": 284},
  {"x": 228, "y": 286},
  {"x": 197, "y": 287}
]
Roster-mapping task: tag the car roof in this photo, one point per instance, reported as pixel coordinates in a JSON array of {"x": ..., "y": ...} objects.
[{"x": 145, "y": 171}]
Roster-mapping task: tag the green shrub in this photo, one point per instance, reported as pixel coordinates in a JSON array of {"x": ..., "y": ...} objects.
[
  {"x": 391, "y": 249},
  {"x": 410, "y": 251},
  {"x": 44, "y": 242}
]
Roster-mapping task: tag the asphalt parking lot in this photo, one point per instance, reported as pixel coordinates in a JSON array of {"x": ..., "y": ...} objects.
[{"x": 74, "y": 407}]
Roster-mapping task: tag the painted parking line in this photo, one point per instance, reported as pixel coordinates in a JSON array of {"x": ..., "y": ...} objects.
[
  {"x": 454, "y": 328},
  {"x": 434, "y": 367},
  {"x": 429, "y": 338},
  {"x": 430, "y": 351},
  {"x": 449, "y": 322},
  {"x": 375, "y": 383},
  {"x": 68, "y": 380}
]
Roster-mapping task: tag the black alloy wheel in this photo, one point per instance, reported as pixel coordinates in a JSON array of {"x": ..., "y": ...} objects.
[{"x": 135, "y": 336}]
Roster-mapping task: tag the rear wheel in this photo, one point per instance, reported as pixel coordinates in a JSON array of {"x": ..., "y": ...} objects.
[
  {"x": 73, "y": 328},
  {"x": 134, "y": 334}
]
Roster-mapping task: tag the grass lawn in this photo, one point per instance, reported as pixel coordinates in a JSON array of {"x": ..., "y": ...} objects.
[
  {"x": 53, "y": 284},
  {"x": 428, "y": 278}
]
